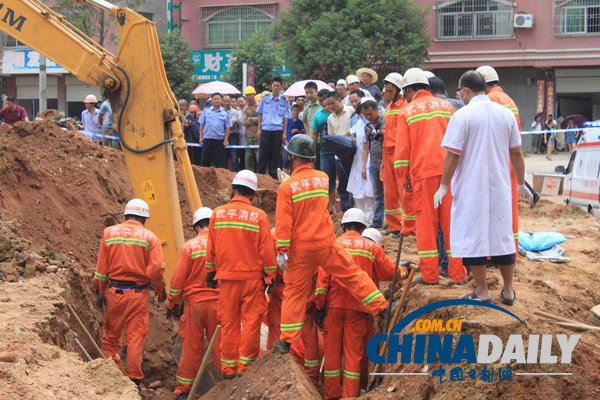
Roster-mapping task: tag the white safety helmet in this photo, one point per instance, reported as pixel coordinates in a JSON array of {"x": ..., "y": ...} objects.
[
  {"x": 373, "y": 234},
  {"x": 202, "y": 213},
  {"x": 429, "y": 74},
  {"x": 246, "y": 178},
  {"x": 350, "y": 79},
  {"x": 414, "y": 76},
  {"x": 90, "y": 98},
  {"x": 354, "y": 215},
  {"x": 395, "y": 79},
  {"x": 137, "y": 207},
  {"x": 489, "y": 73},
  {"x": 341, "y": 82}
]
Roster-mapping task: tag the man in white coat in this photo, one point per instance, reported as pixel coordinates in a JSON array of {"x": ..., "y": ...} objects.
[{"x": 478, "y": 139}]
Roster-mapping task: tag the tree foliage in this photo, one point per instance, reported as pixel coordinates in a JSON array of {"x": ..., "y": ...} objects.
[
  {"x": 93, "y": 21},
  {"x": 176, "y": 56},
  {"x": 336, "y": 37},
  {"x": 257, "y": 50}
]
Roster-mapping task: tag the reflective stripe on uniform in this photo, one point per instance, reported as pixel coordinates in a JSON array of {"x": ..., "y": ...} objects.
[
  {"x": 237, "y": 225},
  {"x": 401, "y": 163},
  {"x": 311, "y": 363},
  {"x": 392, "y": 112},
  {"x": 175, "y": 292},
  {"x": 199, "y": 253},
  {"x": 246, "y": 360},
  {"x": 270, "y": 269},
  {"x": 392, "y": 212},
  {"x": 209, "y": 265},
  {"x": 229, "y": 363},
  {"x": 321, "y": 290},
  {"x": 128, "y": 241},
  {"x": 282, "y": 243},
  {"x": 428, "y": 254},
  {"x": 309, "y": 195},
  {"x": 409, "y": 217},
  {"x": 516, "y": 235},
  {"x": 371, "y": 297},
  {"x": 429, "y": 115},
  {"x": 361, "y": 252},
  {"x": 99, "y": 276},
  {"x": 351, "y": 375},
  {"x": 184, "y": 381},
  {"x": 291, "y": 327},
  {"x": 332, "y": 373}
]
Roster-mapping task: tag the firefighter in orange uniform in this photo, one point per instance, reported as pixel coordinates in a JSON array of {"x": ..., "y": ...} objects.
[
  {"x": 305, "y": 230},
  {"x": 130, "y": 260},
  {"x": 188, "y": 287},
  {"x": 419, "y": 162},
  {"x": 273, "y": 316},
  {"x": 346, "y": 321},
  {"x": 241, "y": 257},
  {"x": 398, "y": 214},
  {"x": 497, "y": 95}
]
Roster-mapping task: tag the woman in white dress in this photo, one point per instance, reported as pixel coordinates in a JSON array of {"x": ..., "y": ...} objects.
[{"x": 359, "y": 182}]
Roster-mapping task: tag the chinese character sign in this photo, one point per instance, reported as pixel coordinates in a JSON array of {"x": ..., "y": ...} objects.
[
  {"x": 549, "y": 97},
  {"x": 210, "y": 64},
  {"x": 27, "y": 61},
  {"x": 540, "y": 98}
]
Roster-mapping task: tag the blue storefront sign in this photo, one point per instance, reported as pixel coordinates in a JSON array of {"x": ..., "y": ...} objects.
[
  {"x": 210, "y": 64},
  {"x": 27, "y": 61}
]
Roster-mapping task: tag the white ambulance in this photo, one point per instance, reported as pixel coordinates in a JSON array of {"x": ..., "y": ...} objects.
[{"x": 582, "y": 181}]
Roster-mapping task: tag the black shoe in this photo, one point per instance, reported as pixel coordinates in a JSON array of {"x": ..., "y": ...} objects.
[
  {"x": 182, "y": 396},
  {"x": 536, "y": 198},
  {"x": 281, "y": 346},
  {"x": 230, "y": 376}
]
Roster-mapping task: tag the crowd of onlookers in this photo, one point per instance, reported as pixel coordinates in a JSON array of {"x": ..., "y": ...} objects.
[{"x": 551, "y": 142}]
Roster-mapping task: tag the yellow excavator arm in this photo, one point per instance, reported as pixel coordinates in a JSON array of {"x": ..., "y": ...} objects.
[{"x": 144, "y": 107}]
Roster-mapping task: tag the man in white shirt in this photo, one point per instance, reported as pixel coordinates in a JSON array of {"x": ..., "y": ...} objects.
[{"x": 478, "y": 139}]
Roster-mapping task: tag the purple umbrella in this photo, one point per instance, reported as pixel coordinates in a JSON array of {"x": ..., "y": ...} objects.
[
  {"x": 578, "y": 120},
  {"x": 297, "y": 88},
  {"x": 216, "y": 87}
]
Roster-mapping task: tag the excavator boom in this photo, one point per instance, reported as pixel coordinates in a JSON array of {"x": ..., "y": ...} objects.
[{"x": 143, "y": 104}]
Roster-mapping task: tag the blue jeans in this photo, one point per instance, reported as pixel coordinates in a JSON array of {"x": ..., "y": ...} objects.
[
  {"x": 328, "y": 166},
  {"x": 378, "y": 192},
  {"x": 343, "y": 172}
]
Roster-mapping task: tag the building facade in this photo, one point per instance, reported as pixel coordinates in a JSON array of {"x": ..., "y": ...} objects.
[
  {"x": 19, "y": 68},
  {"x": 213, "y": 27},
  {"x": 546, "y": 52}
]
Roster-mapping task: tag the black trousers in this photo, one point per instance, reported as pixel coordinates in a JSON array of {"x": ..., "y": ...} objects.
[
  {"x": 213, "y": 153},
  {"x": 269, "y": 152}
]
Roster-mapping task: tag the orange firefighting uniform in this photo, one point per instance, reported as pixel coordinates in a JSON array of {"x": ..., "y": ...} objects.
[
  {"x": 497, "y": 95},
  {"x": 273, "y": 316},
  {"x": 399, "y": 215},
  {"x": 241, "y": 250},
  {"x": 347, "y": 321},
  {"x": 200, "y": 310},
  {"x": 128, "y": 253},
  {"x": 419, "y": 159},
  {"x": 304, "y": 227}
]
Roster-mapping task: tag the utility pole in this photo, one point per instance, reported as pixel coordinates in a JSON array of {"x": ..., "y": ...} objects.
[{"x": 42, "y": 89}]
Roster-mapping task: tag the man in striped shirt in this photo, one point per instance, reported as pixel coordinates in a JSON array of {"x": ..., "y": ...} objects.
[
  {"x": 241, "y": 257},
  {"x": 188, "y": 285}
]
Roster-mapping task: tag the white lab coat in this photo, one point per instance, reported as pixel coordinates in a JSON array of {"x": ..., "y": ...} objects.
[
  {"x": 482, "y": 133},
  {"x": 358, "y": 186}
]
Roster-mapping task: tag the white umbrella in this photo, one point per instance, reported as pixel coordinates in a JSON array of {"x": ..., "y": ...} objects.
[
  {"x": 216, "y": 87},
  {"x": 297, "y": 88}
]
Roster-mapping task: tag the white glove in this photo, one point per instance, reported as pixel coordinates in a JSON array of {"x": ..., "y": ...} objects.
[
  {"x": 525, "y": 193},
  {"x": 439, "y": 196},
  {"x": 281, "y": 261}
]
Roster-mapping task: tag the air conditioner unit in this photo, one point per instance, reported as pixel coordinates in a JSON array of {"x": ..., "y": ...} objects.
[{"x": 523, "y": 21}]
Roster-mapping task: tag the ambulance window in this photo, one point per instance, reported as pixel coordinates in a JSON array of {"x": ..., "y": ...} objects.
[
  {"x": 571, "y": 161},
  {"x": 579, "y": 165}
]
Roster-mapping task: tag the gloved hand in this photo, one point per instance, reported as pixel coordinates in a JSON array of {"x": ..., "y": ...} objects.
[
  {"x": 439, "y": 196},
  {"x": 177, "y": 310},
  {"x": 210, "y": 279},
  {"x": 525, "y": 193},
  {"x": 320, "y": 317},
  {"x": 282, "y": 261},
  {"x": 100, "y": 302},
  {"x": 161, "y": 294}
]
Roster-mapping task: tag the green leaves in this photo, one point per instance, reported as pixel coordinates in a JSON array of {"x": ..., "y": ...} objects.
[
  {"x": 260, "y": 51},
  {"x": 176, "y": 56},
  {"x": 335, "y": 37}
]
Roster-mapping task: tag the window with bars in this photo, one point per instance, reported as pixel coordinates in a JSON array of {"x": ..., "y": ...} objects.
[
  {"x": 232, "y": 24},
  {"x": 471, "y": 19},
  {"x": 10, "y": 41},
  {"x": 578, "y": 17}
]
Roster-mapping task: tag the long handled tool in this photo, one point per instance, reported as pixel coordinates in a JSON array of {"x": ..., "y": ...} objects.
[
  {"x": 204, "y": 364},
  {"x": 377, "y": 379},
  {"x": 388, "y": 315},
  {"x": 85, "y": 331},
  {"x": 82, "y": 349},
  {"x": 565, "y": 322}
]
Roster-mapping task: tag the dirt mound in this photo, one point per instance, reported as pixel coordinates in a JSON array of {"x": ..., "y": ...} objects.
[{"x": 273, "y": 376}]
